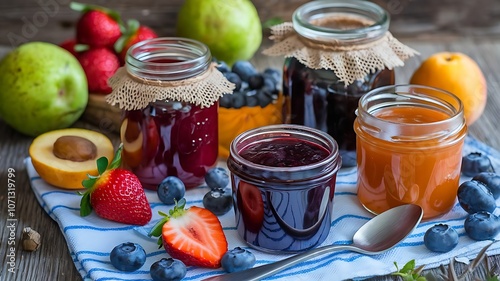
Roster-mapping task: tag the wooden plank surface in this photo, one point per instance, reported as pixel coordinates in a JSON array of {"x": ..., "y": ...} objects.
[{"x": 53, "y": 262}]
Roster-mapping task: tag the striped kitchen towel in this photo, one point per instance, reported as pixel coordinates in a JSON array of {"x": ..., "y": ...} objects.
[{"x": 91, "y": 256}]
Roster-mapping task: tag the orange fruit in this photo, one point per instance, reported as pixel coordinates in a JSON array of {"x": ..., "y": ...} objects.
[{"x": 456, "y": 73}]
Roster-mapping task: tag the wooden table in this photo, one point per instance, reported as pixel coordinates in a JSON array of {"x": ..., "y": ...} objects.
[{"x": 53, "y": 262}]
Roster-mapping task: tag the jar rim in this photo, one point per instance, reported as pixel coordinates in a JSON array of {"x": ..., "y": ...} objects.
[
  {"x": 410, "y": 95},
  {"x": 303, "y": 15},
  {"x": 168, "y": 58},
  {"x": 287, "y": 130}
]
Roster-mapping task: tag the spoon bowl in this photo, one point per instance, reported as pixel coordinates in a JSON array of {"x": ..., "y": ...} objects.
[{"x": 378, "y": 235}]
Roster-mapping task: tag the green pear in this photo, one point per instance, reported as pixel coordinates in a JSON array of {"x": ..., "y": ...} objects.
[
  {"x": 230, "y": 28},
  {"x": 42, "y": 88}
]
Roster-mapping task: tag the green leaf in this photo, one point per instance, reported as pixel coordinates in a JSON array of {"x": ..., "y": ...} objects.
[
  {"x": 79, "y": 7},
  {"x": 272, "y": 22},
  {"x": 85, "y": 206},
  {"x": 156, "y": 230},
  {"x": 102, "y": 164},
  {"x": 117, "y": 160},
  {"x": 89, "y": 183},
  {"x": 409, "y": 272},
  {"x": 81, "y": 48}
]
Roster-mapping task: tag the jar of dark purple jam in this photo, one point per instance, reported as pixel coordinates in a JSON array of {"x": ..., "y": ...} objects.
[
  {"x": 169, "y": 137},
  {"x": 317, "y": 97},
  {"x": 283, "y": 181}
]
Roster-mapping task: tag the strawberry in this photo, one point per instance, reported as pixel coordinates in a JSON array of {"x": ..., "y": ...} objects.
[
  {"x": 99, "y": 65},
  {"x": 115, "y": 194},
  {"x": 69, "y": 45},
  {"x": 192, "y": 235},
  {"x": 134, "y": 33},
  {"x": 251, "y": 206},
  {"x": 98, "y": 26}
]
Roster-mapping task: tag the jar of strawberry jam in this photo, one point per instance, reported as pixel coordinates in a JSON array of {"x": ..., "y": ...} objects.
[
  {"x": 283, "y": 181},
  {"x": 336, "y": 51},
  {"x": 409, "y": 148},
  {"x": 169, "y": 91}
]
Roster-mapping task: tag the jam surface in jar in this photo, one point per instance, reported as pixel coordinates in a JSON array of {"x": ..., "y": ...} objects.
[
  {"x": 316, "y": 98},
  {"x": 284, "y": 187},
  {"x": 284, "y": 152},
  {"x": 423, "y": 172},
  {"x": 170, "y": 139}
]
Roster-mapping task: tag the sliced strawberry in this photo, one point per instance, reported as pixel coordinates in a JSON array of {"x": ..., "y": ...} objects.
[
  {"x": 115, "y": 194},
  {"x": 251, "y": 206},
  {"x": 192, "y": 235}
]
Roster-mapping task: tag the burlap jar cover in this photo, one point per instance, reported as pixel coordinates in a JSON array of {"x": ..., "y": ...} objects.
[
  {"x": 349, "y": 62},
  {"x": 131, "y": 92}
]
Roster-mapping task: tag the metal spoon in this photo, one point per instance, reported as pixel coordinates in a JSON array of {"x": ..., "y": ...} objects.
[{"x": 379, "y": 234}]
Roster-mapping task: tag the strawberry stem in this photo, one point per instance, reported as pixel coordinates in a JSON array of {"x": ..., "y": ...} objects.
[
  {"x": 127, "y": 33},
  {"x": 83, "y": 8},
  {"x": 178, "y": 210}
]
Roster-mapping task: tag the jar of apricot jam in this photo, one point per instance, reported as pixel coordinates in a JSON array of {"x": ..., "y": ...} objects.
[
  {"x": 283, "y": 181},
  {"x": 316, "y": 97},
  {"x": 169, "y": 137},
  {"x": 409, "y": 148}
]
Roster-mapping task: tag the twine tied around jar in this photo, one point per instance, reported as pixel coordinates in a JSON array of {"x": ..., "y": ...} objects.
[
  {"x": 350, "y": 62},
  {"x": 131, "y": 92}
]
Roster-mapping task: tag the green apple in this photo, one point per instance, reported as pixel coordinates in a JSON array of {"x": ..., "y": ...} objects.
[
  {"x": 230, "y": 28},
  {"x": 42, "y": 88}
]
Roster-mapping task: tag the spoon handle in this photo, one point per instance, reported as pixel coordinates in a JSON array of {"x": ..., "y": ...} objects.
[{"x": 267, "y": 270}]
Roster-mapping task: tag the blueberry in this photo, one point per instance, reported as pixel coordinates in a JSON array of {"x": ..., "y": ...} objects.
[
  {"x": 218, "y": 201},
  {"x": 270, "y": 84},
  {"x": 491, "y": 180},
  {"x": 474, "y": 196},
  {"x": 273, "y": 72},
  {"x": 128, "y": 256},
  {"x": 482, "y": 226},
  {"x": 264, "y": 97},
  {"x": 233, "y": 78},
  {"x": 168, "y": 269},
  {"x": 226, "y": 101},
  {"x": 441, "y": 238},
  {"x": 171, "y": 189},
  {"x": 244, "y": 69},
  {"x": 217, "y": 178},
  {"x": 256, "y": 81},
  {"x": 237, "y": 259},
  {"x": 475, "y": 163},
  {"x": 238, "y": 100},
  {"x": 251, "y": 99},
  {"x": 223, "y": 67}
]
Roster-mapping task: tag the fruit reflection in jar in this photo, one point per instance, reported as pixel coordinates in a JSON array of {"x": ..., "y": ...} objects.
[
  {"x": 409, "y": 148},
  {"x": 170, "y": 139}
]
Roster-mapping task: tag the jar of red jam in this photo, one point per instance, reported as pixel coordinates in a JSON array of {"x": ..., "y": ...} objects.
[
  {"x": 165, "y": 132},
  {"x": 283, "y": 181},
  {"x": 409, "y": 148},
  {"x": 336, "y": 52}
]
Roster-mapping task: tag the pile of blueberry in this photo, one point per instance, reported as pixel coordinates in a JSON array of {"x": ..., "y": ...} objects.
[
  {"x": 477, "y": 197},
  {"x": 253, "y": 88}
]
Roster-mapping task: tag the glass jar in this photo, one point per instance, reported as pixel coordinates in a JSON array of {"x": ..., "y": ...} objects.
[
  {"x": 317, "y": 97},
  {"x": 169, "y": 137},
  {"x": 409, "y": 148},
  {"x": 283, "y": 203}
]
